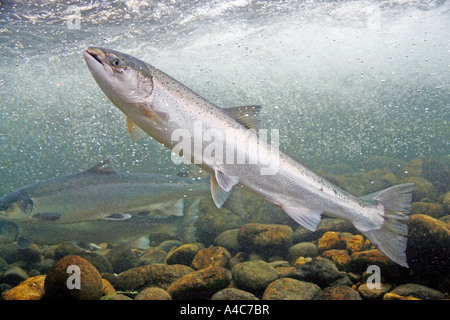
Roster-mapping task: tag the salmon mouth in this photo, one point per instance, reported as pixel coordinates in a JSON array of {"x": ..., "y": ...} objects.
[{"x": 94, "y": 53}]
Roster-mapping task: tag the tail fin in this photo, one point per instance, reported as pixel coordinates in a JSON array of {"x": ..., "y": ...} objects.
[{"x": 392, "y": 237}]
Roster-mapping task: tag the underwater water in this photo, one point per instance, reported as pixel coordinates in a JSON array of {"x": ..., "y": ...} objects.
[{"x": 352, "y": 86}]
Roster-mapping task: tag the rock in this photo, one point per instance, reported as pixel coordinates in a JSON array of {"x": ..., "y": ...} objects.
[
  {"x": 300, "y": 261},
  {"x": 56, "y": 282},
  {"x": 333, "y": 240},
  {"x": 437, "y": 173},
  {"x": 434, "y": 210},
  {"x": 340, "y": 258},
  {"x": 65, "y": 249},
  {"x": 418, "y": 291},
  {"x": 290, "y": 289},
  {"x": 360, "y": 261},
  {"x": 153, "y": 275},
  {"x": 169, "y": 245},
  {"x": 3, "y": 265},
  {"x": 200, "y": 284},
  {"x": 428, "y": 248},
  {"x": 182, "y": 254},
  {"x": 9, "y": 252},
  {"x": 233, "y": 294},
  {"x": 152, "y": 256},
  {"x": 122, "y": 258},
  {"x": 30, "y": 289},
  {"x": 338, "y": 293},
  {"x": 266, "y": 239},
  {"x": 446, "y": 201},
  {"x": 301, "y": 234},
  {"x": 423, "y": 189},
  {"x": 118, "y": 296},
  {"x": 99, "y": 262},
  {"x": 153, "y": 293},
  {"x": 355, "y": 244},
  {"x": 320, "y": 271},
  {"x": 14, "y": 276},
  {"x": 303, "y": 249},
  {"x": 253, "y": 276},
  {"x": 108, "y": 289},
  {"x": 30, "y": 255},
  {"x": 43, "y": 266},
  {"x": 228, "y": 239},
  {"x": 374, "y": 294},
  {"x": 212, "y": 256},
  {"x": 393, "y": 296}
]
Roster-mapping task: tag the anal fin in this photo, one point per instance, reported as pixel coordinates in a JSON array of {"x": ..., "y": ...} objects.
[{"x": 134, "y": 131}]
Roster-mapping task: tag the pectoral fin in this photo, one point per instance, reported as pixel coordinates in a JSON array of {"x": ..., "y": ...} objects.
[
  {"x": 118, "y": 216},
  {"x": 221, "y": 187},
  {"x": 134, "y": 131},
  {"x": 151, "y": 111},
  {"x": 306, "y": 217}
]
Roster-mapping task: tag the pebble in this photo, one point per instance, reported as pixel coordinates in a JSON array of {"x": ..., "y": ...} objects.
[
  {"x": 99, "y": 262},
  {"x": 303, "y": 249},
  {"x": 212, "y": 256},
  {"x": 30, "y": 289},
  {"x": 333, "y": 240},
  {"x": 418, "y": 291},
  {"x": 233, "y": 294},
  {"x": 30, "y": 255},
  {"x": 428, "y": 248},
  {"x": 340, "y": 258},
  {"x": 122, "y": 258},
  {"x": 201, "y": 284},
  {"x": 320, "y": 271},
  {"x": 290, "y": 289},
  {"x": 14, "y": 276},
  {"x": 169, "y": 245},
  {"x": 65, "y": 249},
  {"x": 229, "y": 240},
  {"x": 56, "y": 288},
  {"x": 355, "y": 244},
  {"x": 374, "y": 294},
  {"x": 153, "y": 275},
  {"x": 338, "y": 293},
  {"x": 153, "y": 293},
  {"x": 391, "y": 271},
  {"x": 253, "y": 276},
  {"x": 152, "y": 256},
  {"x": 266, "y": 239},
  {"x": 183, "y": 254}
]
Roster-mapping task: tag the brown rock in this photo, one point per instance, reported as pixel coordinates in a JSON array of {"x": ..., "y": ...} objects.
[
  {"x": 434, "y": 210},
  {"x": 153, "y": 293},
  {"x": 212, "y": 256},
  {"x": 428, "y": 248},
  {"x": 183, "y": 254},
  {"x": 340, "y": 258},
  {"x": 290, "y": 289},
  {"x": 338, "y": 293},
  {"x": 57, "y": 279},
  {"x": 108, "y": 289},
  {"x": 200, "y": 284},
  {"x": 157, "y": 275},
  {"x": 30, "y": 289},
  {"x": 267, "y": 239},
  {"x": 333, "y": 240},
  {"x": 374, "y": 294},
  {"x": 355, "y": 244},
  {"x": 233, "y": 294}
]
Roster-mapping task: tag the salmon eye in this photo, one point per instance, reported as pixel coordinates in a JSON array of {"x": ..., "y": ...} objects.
[{"x": 116, "y": 62}]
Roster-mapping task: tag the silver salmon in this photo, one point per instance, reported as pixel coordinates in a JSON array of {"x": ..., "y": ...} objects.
[
  {"x": 136, "y": 231},
  {"x": 100, "y": 193},
  {"x": 157, "y": 104}
]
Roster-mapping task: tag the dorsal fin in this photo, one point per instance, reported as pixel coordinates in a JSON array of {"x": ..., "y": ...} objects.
[
  {"x": 100, "y": 168},
  {"x": 246, "y": 115}
]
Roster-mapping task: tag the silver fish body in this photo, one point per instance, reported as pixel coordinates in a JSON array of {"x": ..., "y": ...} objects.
[
  {"x": 161, "y": 106},
  {"x": 137, "y": 231},
  {"x": 99, "y": 193}
]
